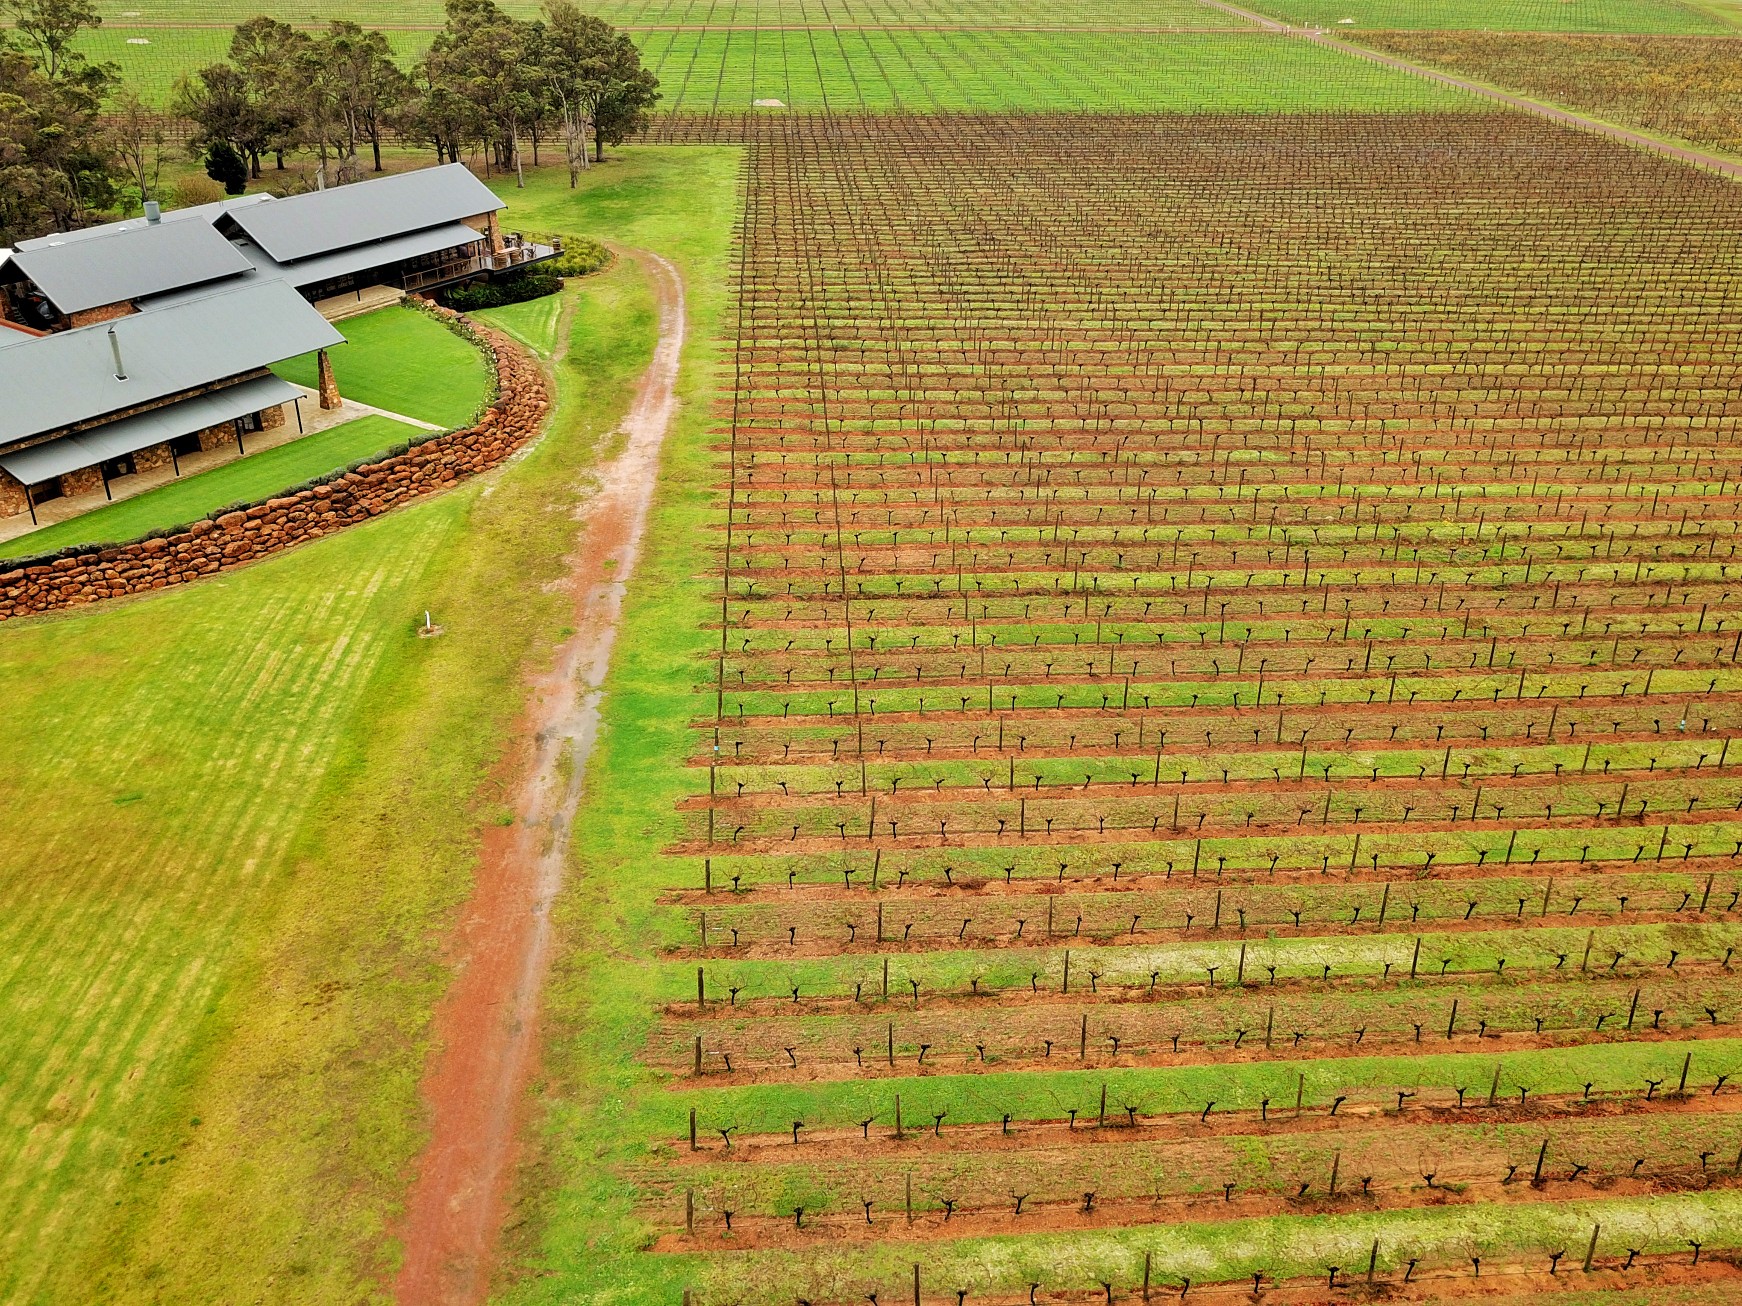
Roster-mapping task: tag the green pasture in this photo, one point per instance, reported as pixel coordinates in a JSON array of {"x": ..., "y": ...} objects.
[
  {"x": 921, "y": 70},
  {"x": 1157, "y": 15},
  {"x": 258, "y": 476},
  {"x": 239, "y": 814},
  {"x": 152, "y": 50},
  {"x": 403, "y": 361}
]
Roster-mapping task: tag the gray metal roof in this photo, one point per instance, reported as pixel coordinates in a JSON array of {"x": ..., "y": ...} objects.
[
  {"x": 55, "y": 381},
  {"x": 327, "y": 267},
  {"x": 322, "y": 222},
  {"x": 42, "y": 462},
  {"x": 209, "y": 212},
  {"x": 129, "y": 263}
]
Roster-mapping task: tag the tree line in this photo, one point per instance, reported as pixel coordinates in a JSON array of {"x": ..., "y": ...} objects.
[
  {"x": 74, "y": 141},
  {"x": 489, "y": 82}
]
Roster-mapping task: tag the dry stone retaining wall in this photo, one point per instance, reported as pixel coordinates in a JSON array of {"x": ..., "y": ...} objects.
[{"x": 248, "y": 534}]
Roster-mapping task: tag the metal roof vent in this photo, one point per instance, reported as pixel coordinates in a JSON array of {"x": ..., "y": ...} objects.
[
  {"x": 153, "y": 212},
  {"x": 115, "y": 349}
]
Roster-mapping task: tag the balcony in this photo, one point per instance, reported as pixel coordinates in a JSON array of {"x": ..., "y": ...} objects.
[{"x": 517, "y": 252}]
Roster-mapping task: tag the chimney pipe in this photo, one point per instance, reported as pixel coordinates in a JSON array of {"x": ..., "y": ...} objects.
[
  {"x": 115, "y": 349},
  {"x": 153, "y": 212}
]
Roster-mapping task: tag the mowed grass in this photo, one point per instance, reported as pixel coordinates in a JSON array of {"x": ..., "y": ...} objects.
[
  {"x": 165, "y": 755},
  {"x": 405, "y": 362},
  {"x": 533, "y": 322},
  {"x": 722, "y": 13},
  {"x": 908, "y": 69},
  {"x": 237, "y": 818},
  {"x": 1669, "y": 17},
  {"x": 258, "y": 476}
]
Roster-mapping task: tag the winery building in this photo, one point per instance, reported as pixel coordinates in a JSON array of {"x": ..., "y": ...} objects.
[{"x": 125, "y": 345}]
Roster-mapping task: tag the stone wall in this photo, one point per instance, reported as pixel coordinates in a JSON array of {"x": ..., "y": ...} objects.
[
  {"x": 12, "y": 498},
  {"x": 81, "y": 480},
  {"x": 212, "y": 437},
  {"x": 241, "y": 537},
  {"x": 152, "y": 456}
]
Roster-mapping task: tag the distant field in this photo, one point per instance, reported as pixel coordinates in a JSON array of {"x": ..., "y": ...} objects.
[
  {"x": 891, "y": 70},
  {"x": 151, "y": 58},
  {"x": 1666, "y": 16},
  {"x": 1162, "y": 14},
  {"x": 1682, "y": 87}
]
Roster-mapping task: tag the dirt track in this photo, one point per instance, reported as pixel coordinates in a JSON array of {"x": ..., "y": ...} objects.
[{"x": 485, "y": 1027}]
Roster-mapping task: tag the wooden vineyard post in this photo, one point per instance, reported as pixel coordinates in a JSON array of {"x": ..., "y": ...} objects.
[
  {"x": 1083, "y": 1039},
  {"x": 708, "y": 862},
  {"x": 1067, "y": 985},
  {"x": 1681, "y": 1089},
  {"x": 1101, "y": 1121},
  {"x": 892, "y": 1057},
  {"x": 1240, "y": 971},
  {"x": 1591, "y": 1251},
  {"x": 1372, "y": 1260},
  {"x": 692, "y": 1129},
  {"x": 689, "y": 1211},
  {"x": 1632, "y": 1007},
  {"x": 1269, "y": 1021},
  {"x": 1299, "y": 1091},
  {"x": 909, "y": 1196},
  {"x": 698, "y": 1064},
  {"x": 1494, "y": 1085},
  {"x": 1541, "y": 1156},
  {"x": 885, "y": 960},
  {"x": 1384, "y": 902},
  {"x": 1415, "y": 960},
  {"x": 898, "y": 1134},
  {"x": 701, "y": 989},
  {"x": 1336, "y": 1165},
  {"x": 1586, "y": 961},
  {"x": 880, "y": 940}
]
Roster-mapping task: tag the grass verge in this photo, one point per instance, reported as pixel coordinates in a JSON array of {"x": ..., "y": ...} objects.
[{"x": 192, "y": 497}]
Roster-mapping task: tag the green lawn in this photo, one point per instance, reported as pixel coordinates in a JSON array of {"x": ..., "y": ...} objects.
[
  {"x": 887, "y": 69},
  {"x": 405, "y": 362},
  {"x": 535, "y": 323},
  {"x": 719, "y": 13},
  {"x": 232, "y": 867},
  {"x": 258, "y": 476}
]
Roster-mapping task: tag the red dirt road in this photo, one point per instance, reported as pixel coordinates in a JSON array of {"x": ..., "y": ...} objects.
[{"x": 485, "y": 1025}]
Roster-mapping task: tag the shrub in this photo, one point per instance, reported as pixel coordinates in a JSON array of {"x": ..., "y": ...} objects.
[
  {"x": 227, "y": 167},
  {"x": 580, "y": 256},
  {"x": 197, "y": 189},
  {"x": 509, "y": 290}
]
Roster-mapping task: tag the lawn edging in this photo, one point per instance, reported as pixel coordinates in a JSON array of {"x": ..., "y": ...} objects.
[{"x": 244, "y": 533}]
